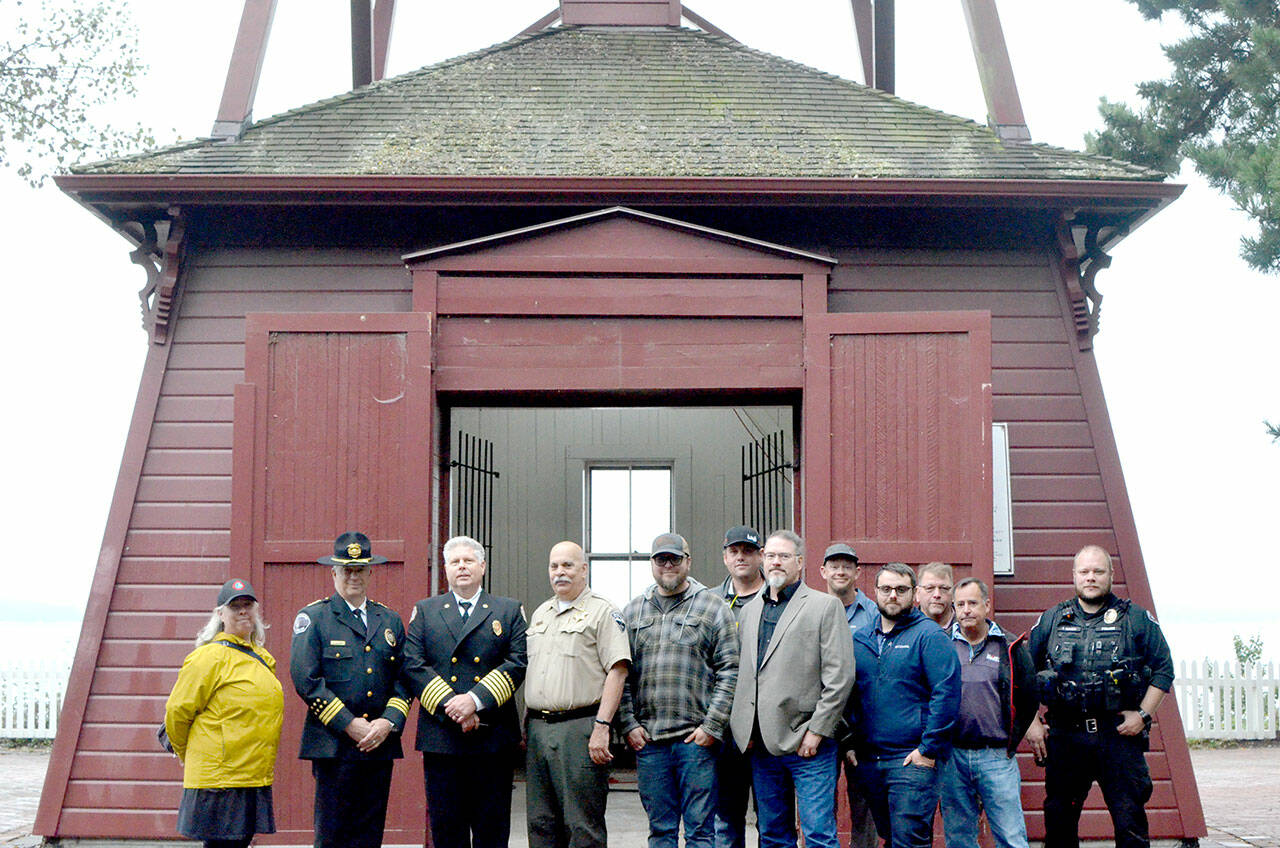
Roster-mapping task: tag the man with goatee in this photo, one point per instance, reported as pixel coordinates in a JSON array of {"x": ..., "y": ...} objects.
[
  {"x": 794, "y": 675},
  {"x": 904, "y": 704}
]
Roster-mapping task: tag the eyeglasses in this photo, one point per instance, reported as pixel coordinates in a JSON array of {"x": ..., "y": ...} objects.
[
  {"x": 776, "y": 556},
  {"x": 894, "y": 590},
  {"x": 667, "y": 559}
]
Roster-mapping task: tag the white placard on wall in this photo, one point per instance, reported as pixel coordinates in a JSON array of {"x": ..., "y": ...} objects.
[{"x": 1001, "y": 500}]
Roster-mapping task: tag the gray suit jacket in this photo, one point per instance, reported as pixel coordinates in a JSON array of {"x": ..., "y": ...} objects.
[{"x": 806, "y": 676}]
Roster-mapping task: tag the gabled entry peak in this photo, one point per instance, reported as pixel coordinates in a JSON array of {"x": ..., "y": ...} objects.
[
  {"x": 621, "y": 12},
  {"x": 619, "y": 234}
]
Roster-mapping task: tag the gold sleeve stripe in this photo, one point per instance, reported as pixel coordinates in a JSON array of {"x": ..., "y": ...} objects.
[
  {"x": 499, "y": 683},
  {"x": 399, "y": 704},
  {"x": 330, "y": 712},
  {"x": 434, "y": 693}
]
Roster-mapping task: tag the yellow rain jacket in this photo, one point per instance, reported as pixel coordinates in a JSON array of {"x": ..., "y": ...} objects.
[{"x": 224, "y": 715}]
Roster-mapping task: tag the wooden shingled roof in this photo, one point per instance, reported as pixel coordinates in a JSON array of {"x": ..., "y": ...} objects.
[{"x": 577, "y": 101}]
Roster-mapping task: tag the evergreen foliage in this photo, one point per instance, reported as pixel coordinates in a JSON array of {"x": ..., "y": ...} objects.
[{"x": 1219, "y": 108}]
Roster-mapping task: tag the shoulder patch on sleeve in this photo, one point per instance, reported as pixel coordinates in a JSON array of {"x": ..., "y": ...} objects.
[
  {"x": 620, "y": 621},
  {"x": 301, "y": 623}
]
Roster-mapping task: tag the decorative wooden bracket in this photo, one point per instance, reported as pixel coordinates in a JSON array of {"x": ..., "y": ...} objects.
[
  {"x": 160, "y": 255},
  {"x": 1080, "y": 265}
]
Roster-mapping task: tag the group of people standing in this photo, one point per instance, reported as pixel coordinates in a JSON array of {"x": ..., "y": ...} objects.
[{"x": 761, "y": 687}]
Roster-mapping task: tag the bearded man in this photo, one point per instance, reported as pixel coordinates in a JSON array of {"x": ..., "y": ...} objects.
[{"x": 905, "y": 701}]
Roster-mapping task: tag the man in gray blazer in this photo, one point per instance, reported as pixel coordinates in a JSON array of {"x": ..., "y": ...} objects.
[{"x": 794, "y": 676}]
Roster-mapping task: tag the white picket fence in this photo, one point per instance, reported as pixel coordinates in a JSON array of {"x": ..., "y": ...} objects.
[
  {"x": 31, "y": 696},
  {"x": 1227, "y": 700}
]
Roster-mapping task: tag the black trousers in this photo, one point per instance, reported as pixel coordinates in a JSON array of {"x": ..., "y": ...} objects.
[
  {"x": 351, "y": 802},
  {"x": 1076, "y": 760},
  {"x": 469, "y": 798}
]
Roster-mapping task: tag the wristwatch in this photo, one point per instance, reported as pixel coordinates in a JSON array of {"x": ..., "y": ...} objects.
[{"x": 1146, "y": 716}]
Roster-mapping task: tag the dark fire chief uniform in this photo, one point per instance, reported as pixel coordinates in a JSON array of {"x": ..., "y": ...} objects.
[
  {"x": 341, "y": 670},
  {"x": 1089, "y": 668},
  {"x": 467, "y": 775}
]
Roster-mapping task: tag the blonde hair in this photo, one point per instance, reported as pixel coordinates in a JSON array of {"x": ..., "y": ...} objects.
[{"x": 213, "y": 627}]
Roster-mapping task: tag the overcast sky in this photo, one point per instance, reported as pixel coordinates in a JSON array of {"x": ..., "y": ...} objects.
[{"x": 1187, "y": 348}]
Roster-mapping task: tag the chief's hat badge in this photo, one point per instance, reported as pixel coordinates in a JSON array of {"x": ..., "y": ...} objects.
[{"x": 353, "y": 550}]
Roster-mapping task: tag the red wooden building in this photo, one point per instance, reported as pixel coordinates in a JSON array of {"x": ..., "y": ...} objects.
[{"x": 449, "y": 300}]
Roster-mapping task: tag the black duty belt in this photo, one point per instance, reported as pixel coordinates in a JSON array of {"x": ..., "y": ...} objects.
[
  {"x": 556, "y": 716},
  {"x": 1099, "y": 723}
]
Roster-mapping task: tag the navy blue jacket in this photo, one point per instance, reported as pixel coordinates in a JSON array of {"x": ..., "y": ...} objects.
[{"x": 908, "y": 697}]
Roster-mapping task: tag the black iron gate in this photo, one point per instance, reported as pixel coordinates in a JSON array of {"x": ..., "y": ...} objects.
[
  {"x": 473, "y": 480},
  {"x": 766, "y": 483}
]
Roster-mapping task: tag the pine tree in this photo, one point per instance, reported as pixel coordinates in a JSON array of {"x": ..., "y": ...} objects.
[{"x": 1220, "y": 108}]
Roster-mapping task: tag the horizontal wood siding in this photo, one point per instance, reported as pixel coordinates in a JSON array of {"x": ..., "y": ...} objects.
[
  {"x": 506, "y": 354},
  {"x": 1059, "y": 497},
  {"x": 177, "y": 548}
]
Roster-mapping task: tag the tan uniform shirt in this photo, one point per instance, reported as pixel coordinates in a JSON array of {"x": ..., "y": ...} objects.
[{"x": 571, "y": 652}]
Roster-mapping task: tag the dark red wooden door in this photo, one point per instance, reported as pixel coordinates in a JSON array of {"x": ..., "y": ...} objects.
[
  {"x": 896, "y": 436},
  {"x": 334, "y": 432}
]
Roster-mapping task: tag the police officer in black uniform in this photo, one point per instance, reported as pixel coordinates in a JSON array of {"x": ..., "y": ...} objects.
[
  {"x": 1103, "y": 668},
  {"x": 465, "y": 658},
  {"x": 345, "y": 662}
]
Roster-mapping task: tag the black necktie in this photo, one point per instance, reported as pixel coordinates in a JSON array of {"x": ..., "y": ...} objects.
[
  {"x": 364, "y": 625},
  {"x": 465, "y": 606}
]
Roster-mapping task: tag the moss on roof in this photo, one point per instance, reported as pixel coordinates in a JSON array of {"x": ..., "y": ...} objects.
[{"x": 622, "y": 102}]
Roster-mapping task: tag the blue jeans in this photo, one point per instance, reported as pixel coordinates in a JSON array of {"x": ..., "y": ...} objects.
[
  {"x": 982, "y": 779},
  {"x": 678, "y": 779},
  {"x": 813, "y": 782},
  {"x": 903, "y": 800}
]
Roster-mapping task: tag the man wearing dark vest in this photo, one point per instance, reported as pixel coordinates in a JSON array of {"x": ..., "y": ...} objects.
[
  {"x": 1103, "y": 667},
  {"x": 466, "y": 657},
  {"x": 345, "y": 663}
]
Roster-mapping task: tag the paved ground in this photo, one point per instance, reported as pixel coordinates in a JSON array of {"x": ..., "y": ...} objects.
[{"x": 1239, "y": 787}]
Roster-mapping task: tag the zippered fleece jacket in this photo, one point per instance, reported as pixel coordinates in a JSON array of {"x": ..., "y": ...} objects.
[
  {"x": 684, "y": 665},
  {"x": 906, "y": 696}
]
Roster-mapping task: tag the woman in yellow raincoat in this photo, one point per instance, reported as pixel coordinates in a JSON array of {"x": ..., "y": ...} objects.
[{"x": 223, "y": 719}]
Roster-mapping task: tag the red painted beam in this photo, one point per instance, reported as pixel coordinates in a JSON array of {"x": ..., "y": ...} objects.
[
  {"x": 1004, "y": 108},
  {"x": 236, "y": 109},
  {"x": 361, "y": 43},
  {"x": 384, "y": 12},
  {"x": 884, "y": 45}
]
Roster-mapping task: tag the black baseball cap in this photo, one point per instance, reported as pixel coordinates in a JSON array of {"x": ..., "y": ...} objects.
[
  {"x": 741, "y": 535},
  {"x": 235, "y": 588}
]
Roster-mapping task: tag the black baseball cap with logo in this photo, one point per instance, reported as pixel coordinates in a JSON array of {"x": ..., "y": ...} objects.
[
  {"x": 741, "y": 535},
  {"x": 235, "y": 588}
]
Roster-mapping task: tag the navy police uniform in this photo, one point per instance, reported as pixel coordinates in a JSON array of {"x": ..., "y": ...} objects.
[
  {"x": 1089, "y": 669},
  {"x": 467, "y": 775},
  {"x": 342, "y": 670}
]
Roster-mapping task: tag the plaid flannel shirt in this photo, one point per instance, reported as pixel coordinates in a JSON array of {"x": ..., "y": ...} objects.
[{"x": 684, "y": 665}]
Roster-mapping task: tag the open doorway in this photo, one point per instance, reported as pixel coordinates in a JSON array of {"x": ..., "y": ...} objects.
[{"x": 612, "y": 478}]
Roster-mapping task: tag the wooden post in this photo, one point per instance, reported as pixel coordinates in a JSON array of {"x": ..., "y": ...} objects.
[{"x": 235, "y": 112}]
